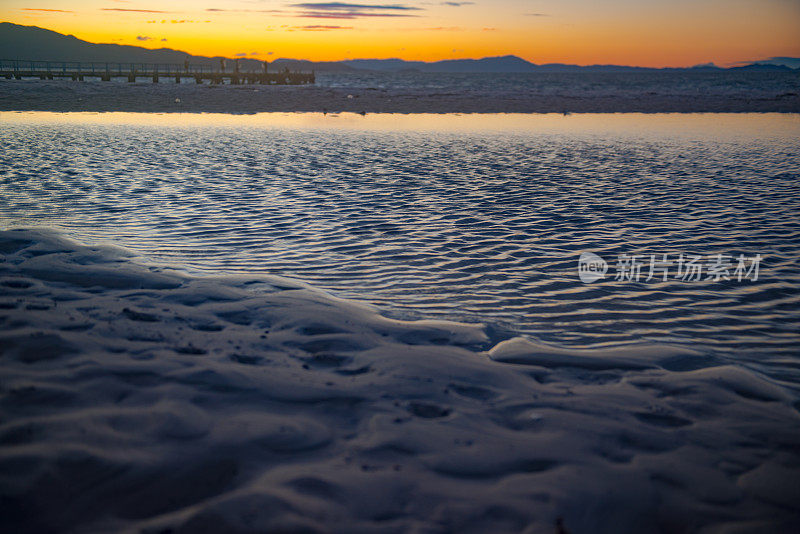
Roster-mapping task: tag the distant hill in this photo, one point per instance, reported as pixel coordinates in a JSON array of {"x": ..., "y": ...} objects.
[
  {"x": 706, "y": 66},
  {"x": 30, "y": 42},
  {"x": 763, "y": 67},
  {"x": 34, "y": 43},
  {"x": 304, "y": 65},
  {"x": 487, "y": 64},
  {"x": 791, "y": 62}
]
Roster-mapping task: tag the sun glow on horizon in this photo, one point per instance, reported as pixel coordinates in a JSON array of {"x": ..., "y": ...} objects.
[{"x": 657, "y": 34}]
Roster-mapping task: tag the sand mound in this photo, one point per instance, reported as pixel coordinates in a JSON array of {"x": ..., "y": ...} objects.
[{"x": 139, "y": 398}]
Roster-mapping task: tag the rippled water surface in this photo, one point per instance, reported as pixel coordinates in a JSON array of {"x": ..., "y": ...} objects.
[
  {"x": 478, "y": 218},
  {"x": 575, "y": 83}
]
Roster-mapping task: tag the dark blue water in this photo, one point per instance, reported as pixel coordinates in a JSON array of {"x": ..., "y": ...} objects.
[
  {"x": 473, "y": 219},
  {"x": 751, "y": 84}
]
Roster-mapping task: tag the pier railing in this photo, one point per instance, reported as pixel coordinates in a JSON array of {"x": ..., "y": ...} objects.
[{"x": 78, "y": 70}]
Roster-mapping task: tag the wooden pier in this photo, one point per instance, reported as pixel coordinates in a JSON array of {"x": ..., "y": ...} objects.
[{"x": 79, "y": 71}]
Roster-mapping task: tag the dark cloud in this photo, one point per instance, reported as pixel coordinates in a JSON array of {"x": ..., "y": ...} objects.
[
  {"x": 344, "y": 6},
  {"x": 321, "y": 28},
  {"x": 348, "y": 11},
  {"x": 182, "y": 21},
  {"x": 143, "y": 38},
  {"x": 536, "y": 15},
  {"x": 133, "y": 10},
  {"x": 46, "y": 10},
  {"x": 458, "y": 4},
  {"x": 334, "y": 10},
  {"x": 223, "y": 10},
  {"x": 347, "y": 15}
]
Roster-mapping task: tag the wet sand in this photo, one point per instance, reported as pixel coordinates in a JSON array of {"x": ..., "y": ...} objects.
[
  {"x": 135, "y": 398},
  {"x": 34, "y": 95}
]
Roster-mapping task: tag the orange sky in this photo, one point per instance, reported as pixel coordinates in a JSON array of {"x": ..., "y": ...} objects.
[{"x": 653, "y": 33}]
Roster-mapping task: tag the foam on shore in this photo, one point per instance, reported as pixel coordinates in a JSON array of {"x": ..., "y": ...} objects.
[{"x": 139, "y": 398}]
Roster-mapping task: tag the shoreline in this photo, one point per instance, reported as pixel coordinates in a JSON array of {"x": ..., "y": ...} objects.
[{"x": 68, "y": 96}]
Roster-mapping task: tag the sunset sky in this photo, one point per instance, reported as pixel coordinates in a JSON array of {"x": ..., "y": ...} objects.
[{"x": 635, "y": 32}]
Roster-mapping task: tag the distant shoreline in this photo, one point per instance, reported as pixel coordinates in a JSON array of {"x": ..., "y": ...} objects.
[{"x": 165, "y": 97}]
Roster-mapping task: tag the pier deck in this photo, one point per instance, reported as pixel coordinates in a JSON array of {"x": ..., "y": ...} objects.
[{"x": 79, "y": 71}]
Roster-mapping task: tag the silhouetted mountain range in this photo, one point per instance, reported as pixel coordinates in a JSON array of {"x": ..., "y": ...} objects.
[
  {"x": 34, "y": 43},
  {"x": 487, "y": 64}
]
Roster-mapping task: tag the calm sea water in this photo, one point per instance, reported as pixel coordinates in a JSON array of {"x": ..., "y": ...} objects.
[
  {"x": 479, "y": 218},
  {"x": 744, "y": 84},
  {"x": 749, "y": 84}
]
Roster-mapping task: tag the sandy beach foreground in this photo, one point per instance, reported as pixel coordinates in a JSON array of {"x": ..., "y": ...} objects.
[
  {"x": 30, "y": 95},
  {"x": 135, "y": 398}
]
